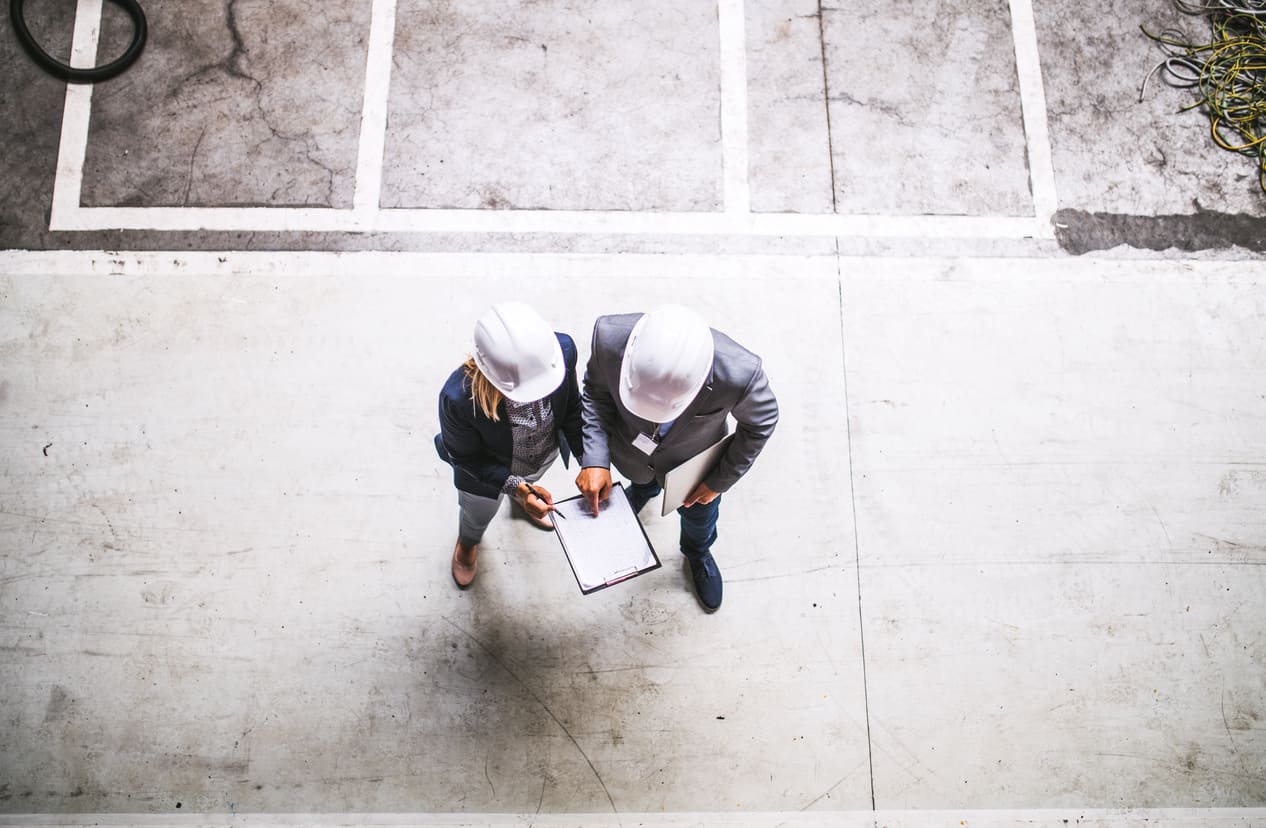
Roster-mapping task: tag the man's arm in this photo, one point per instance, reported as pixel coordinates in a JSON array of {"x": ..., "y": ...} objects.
[
  {"x": 756, "y": 413},
  {"x": 596, "y": 409}
]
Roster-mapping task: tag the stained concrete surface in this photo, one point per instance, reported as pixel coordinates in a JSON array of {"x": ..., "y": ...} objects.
[
  {"x": 1002, "y": 552},
  {"x": 1061, "y": 469},
  {"x": 254, "y": 614},
  {"x": 790, "y": 167},
  {"x": 227, "y": 537},
  {"x": 589, "y": 106},
  {"x": 925, "y": 108},
  {"x": 32, "y": 105},
  {"x": 1113, "y": 154},
  {"x": 1081, "y": 231},
  {"x": 232, "y": 103},
  {"x": 222, "y": 111}
]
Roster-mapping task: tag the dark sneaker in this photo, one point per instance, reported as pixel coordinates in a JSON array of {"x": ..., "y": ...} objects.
[
  {"x": 637, "y": 504},
  {"x": 707, "y": 581}
]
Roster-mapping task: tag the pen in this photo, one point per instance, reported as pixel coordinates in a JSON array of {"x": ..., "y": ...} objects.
[{"x": 543, "y": 500}]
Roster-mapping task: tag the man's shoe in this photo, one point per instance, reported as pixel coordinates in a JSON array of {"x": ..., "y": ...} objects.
[
  {"x": 464, "y": 565},
  {"x": 707, "y": 581}
]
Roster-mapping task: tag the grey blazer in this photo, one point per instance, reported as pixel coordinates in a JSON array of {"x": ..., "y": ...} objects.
[{"x": 737, "y": 385}]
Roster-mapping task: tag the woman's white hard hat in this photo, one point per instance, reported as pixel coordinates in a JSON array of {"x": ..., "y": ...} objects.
[
  {"x": 666, "y": 361},
  {"x": 518, "y": 352}
]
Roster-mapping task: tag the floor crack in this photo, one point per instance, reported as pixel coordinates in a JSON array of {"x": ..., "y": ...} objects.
[
  {"x": 826, "y": 103},
  {"x": 502, "y": 664}
]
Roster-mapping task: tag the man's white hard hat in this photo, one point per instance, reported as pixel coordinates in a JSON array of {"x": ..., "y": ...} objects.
[
  {"x": 666, "y": 361},
  {"x": 517, "y": 351}
]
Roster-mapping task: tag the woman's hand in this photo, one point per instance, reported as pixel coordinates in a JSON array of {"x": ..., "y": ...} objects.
[{"x": 536, "y": 500}]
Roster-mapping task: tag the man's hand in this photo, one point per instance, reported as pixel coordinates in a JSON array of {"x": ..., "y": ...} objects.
[
  {"x": 702, "y": 495},
  {"x": 595, "y": 484},
  {"x": 538, "y": 504}
]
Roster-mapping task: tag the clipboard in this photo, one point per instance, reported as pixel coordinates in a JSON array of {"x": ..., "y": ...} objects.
[
  {"x": 605, "y": 550},
  {"x": 681, "y": 480}
]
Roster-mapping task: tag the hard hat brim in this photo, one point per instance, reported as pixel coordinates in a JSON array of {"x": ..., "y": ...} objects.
[
  {"x": 647, "y": 410},
  {"x": 646, "y": 405}
]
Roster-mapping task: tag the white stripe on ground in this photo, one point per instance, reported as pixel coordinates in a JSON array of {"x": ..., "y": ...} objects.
[
  {"x": 1033, "y": 104},
  {"x": 373, "y": 124},
  {"x": 73, "y": 147}
]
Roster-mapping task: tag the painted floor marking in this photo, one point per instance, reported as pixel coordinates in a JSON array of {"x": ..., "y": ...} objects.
[
  {"x": 1037, "y": 136},
  {"x": 366, "y": 216},
  {"x": 373, "y": 129},
  {"x": 974, "y": 818},
  {"x": 724, "y": 267},
  {"x": 732, "y": 25},
  {"x": 303, "y": 219},
  {"x": 73, "y": 146}
]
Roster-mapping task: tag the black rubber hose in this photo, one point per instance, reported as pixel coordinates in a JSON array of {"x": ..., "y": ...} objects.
[{"x": 68, "y": 73}]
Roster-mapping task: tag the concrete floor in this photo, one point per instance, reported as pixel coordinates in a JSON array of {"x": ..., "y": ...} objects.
[{"x": 1002, "y": 562}]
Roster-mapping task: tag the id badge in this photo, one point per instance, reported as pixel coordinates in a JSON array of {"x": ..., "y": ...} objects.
[{"x": 644, "y": 444}]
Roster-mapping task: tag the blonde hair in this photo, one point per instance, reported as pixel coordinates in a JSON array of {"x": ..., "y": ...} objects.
[{"x": 484, "y": 396}]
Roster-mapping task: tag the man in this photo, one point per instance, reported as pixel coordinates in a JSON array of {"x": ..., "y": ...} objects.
[{"x": 657, "y": 390}]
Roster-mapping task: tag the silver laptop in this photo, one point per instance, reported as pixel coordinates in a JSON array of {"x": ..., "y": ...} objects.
[{"x": 682, "y": 480}]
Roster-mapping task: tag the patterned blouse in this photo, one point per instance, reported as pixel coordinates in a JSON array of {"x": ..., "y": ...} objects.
[{"x": 534, "y": 438}]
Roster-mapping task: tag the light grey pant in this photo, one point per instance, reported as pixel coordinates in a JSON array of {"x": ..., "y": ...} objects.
[{"x": 474, "y": 513}]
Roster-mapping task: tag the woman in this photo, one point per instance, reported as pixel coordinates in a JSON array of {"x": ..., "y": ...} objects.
[{"x": 504, "y": 417}]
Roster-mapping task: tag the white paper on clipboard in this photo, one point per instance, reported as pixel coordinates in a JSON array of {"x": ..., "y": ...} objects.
[
  {"x": 679, "y": 482},
  {"x": 603, "y": 549}
]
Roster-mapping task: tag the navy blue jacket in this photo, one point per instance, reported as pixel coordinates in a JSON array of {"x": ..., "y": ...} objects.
[{"x": 479, "y": 450}]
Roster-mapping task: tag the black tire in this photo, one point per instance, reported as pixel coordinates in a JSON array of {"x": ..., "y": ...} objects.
[{"x": 70, "y": 74}]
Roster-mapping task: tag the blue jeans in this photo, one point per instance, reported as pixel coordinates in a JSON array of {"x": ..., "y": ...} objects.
[{"x": 698, "y": 523}]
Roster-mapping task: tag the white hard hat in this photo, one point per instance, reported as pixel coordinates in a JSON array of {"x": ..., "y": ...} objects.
[
  {"x": 666, "y": 361},
  {"x": 517, "y": 351}
]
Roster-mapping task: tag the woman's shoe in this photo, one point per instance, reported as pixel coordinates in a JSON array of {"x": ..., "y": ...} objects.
[{"x": 464, "y": 565}]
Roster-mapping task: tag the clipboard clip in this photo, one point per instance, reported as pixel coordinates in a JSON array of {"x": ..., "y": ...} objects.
[{"x": 623, "y": 574}]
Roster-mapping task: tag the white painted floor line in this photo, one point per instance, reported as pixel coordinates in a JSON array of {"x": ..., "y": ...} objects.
[
  {"x": 366, "y": 216},
  {"x": 373, "y": 123},
  {"x": 973, "y": 818},
  {"x": 73, "y": 147},
  {"x": 412, "y": 265},
  {"x": 732, "y": 20},
  {"x": 305, "y": 219},
  {"x": 448, "y": 266},
  {"x": 1033, "y": 107}
]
